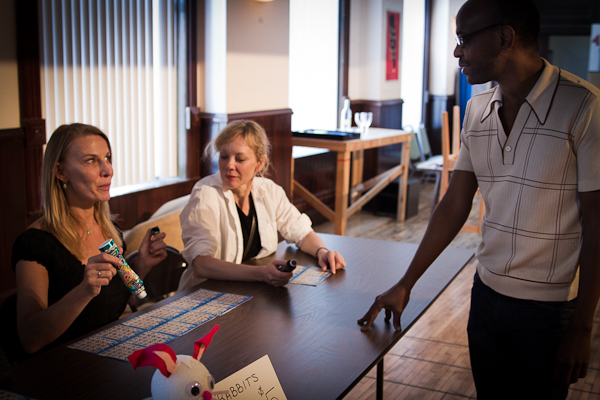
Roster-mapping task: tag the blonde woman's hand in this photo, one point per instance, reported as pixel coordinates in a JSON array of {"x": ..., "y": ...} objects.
[
  {"x": 273, "y": 276},
  {"x": 99, "y": 271},
  {"x": 332, "y": 260}
]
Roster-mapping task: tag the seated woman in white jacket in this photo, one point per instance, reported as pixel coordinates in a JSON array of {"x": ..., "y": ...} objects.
[{"x": 235, "y": 215}]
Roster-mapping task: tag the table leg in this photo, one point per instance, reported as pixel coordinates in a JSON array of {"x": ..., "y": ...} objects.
[
  {"x": 379, "y": 395},
  {"x": 342, "y": 188},
  {"x": 357, "y": 172},
  {"x": 293, "y": 163},
  {"x": 404, "y": 162}
]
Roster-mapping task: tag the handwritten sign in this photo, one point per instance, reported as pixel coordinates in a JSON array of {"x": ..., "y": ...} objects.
[
  {"x": 257, "y": 381},
  {"x": 392, "y": 46}
]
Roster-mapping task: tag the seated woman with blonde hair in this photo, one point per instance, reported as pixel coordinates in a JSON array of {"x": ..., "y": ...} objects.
[
  {"x": 236, "y": 214},
  {"x": 65, "y": 285}
]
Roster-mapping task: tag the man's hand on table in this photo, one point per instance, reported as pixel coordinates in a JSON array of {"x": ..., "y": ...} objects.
[{"x": 394, "y": 301}]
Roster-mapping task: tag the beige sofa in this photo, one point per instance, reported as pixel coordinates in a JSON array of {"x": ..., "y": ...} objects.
[{"x": 166, "y": 218}]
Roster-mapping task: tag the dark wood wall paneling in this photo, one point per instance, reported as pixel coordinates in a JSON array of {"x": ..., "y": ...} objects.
[
  {"x": 21, "y": 149},
  {"x": 194, "y": 138},
  {"x": 136, "y": 207},
  {"x": 13, "y": 202},
  {"x": 212, "y": 124},
  {"x": 386, "y": 114},
  {"x": 317, "y": 174},
  {"x": 30, "y": 101},
  {"x": 194, "y": 141},
  {"x": 436, "y": 106},
  {"x": 426, "y": 58}
]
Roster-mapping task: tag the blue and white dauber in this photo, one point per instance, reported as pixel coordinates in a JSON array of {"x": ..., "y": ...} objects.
[{"x": 289, "y": 266}]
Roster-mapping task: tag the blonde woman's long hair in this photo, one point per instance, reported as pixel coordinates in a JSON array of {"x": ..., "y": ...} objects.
[
  {"x": 58, "y": 218},
  {"x": 254, "y": 135}
]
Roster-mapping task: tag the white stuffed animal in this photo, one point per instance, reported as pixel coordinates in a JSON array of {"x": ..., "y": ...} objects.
[{"x": 178, "y": 376}]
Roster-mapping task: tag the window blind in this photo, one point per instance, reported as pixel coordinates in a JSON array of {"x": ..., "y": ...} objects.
[{"x": 112, "y": 64}]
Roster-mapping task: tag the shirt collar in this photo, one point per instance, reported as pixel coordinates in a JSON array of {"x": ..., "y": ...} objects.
[{"x": 539, "y": 98}]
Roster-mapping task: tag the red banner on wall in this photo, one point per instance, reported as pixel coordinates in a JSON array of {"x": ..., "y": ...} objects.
[{"x": 392, "y": 55}]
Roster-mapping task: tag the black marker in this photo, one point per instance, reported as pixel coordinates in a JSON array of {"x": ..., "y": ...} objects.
[
  {"x": 154, "y": 231},
  {"x": 288, "y": 267}
]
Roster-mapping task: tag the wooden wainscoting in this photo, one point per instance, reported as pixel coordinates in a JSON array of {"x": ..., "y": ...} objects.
[
  {"x": 436, "y": 106},
  {"x": 386, "y": 113},
  {"x": 13, "y": 202},
  {"x": 210, "y": 126},
  {"x": 133, "y": 208}
]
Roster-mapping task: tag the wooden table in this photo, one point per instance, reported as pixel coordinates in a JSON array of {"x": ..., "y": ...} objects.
[
  {"x": 310, "y": 333},
  {"x": 377, "y": 137}
]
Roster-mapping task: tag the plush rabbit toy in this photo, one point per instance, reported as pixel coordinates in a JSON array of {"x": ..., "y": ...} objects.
[{"x": 178, "y": 376}]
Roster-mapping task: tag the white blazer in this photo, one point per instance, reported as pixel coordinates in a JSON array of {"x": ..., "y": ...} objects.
[{"x": 211, "y": 226}]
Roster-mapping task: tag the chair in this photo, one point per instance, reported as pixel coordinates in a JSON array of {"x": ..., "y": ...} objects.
[
  {"x": 449, "y": 160},
  {"x": 162, "y": 280},
  {"x": 424, "y": 143},
  {"x": 5, "y": 368},
  {"x": 167, "y": 221},
  {"x": 424, "y": 162}
]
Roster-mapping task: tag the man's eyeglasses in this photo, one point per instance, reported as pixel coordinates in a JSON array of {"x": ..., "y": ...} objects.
[{"x": 461, "y": 39}]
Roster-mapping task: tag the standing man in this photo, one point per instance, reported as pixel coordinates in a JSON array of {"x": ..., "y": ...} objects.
[{"x": 532, "y": 146}]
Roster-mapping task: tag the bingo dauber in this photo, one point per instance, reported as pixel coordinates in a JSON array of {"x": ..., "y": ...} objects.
[
  {"x": 288, "y": 267},
  {"x": 130, "y": 278}
]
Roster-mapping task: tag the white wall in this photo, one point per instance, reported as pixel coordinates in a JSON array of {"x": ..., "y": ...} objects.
[
  {"x": 9, "y": 94},
  {"x": 413, "y": 35},
  {"x": 453, "y": 8},
  {"x": 570, "y": 53},
  {"x": 257, "y": 55},
  {"x": 215, "y": 57},
  {"x": 443, "y": 64},
  {"x": 314, "y": 50},
  {"x": 366, "y": 70}
]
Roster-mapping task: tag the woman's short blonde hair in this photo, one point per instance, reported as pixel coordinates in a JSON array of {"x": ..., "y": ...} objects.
[
  {"x": 255, "y": 138},
  {"x": 58, "y": 218}
]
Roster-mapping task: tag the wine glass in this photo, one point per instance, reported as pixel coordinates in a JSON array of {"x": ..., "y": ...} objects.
[
  {"x": 368, "y": 119},
  {"x": 363, "y": 121}
]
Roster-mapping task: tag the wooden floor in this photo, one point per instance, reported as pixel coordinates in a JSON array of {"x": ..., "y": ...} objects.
[{"x": 432, "y": 360}]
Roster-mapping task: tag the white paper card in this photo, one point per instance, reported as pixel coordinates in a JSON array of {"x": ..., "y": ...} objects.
[
  {"x": 257, "y": 381},
  {"x": 310, "y": 276}
]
